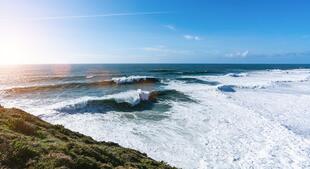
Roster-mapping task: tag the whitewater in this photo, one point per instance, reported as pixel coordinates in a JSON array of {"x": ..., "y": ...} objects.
[{"x": 248, "y": 119}]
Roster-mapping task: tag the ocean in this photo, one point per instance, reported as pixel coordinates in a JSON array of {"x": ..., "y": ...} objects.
[{"x": 189, "y": 115}]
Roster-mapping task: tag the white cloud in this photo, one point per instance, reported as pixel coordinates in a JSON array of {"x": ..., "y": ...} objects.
[
  {"x": 191, "y": 37},
  {"x": 239, "y": 54},
  {"x": 171, "y": 27}
]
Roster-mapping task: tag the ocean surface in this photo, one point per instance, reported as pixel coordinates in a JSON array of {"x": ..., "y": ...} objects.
[{"x": 191, "y": 115}]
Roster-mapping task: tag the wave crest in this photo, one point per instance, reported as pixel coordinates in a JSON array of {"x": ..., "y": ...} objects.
[
  {"x": 114, "y": 81},
  {"x": 237, "y": 74},
  {"x": 132, "y": 100},
  {"x": 134, "y": 79}
]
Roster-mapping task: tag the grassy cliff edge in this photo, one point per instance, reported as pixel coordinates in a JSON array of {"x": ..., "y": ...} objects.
[{"x": 29, "y": 142}]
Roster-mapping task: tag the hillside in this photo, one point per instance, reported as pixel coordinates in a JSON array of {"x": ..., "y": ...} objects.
[{"x": 29, "y": 142}]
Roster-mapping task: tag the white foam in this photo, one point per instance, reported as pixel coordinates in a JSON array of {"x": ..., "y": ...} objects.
[
  {"x": 249, "y": 128},
  {"x": 129, "y": 79},
  {"x": 90, "y": 76},
  {"x": 215, "y": 132},
  {"x": 286, "y": 105},
  {"x": 260, "y": 79},
  {"x": 132, "y": 97},
  {"x": 143, "y": 95},
  {"x": 237, "y": 74}
]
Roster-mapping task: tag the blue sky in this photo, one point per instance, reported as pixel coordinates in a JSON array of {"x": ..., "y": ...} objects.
[{"x": 155, "y": 31}]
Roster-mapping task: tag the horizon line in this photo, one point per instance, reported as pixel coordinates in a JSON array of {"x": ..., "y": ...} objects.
[{"x": 260, "y": 63}]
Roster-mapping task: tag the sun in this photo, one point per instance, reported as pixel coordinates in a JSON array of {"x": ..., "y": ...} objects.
[
  {"x": 14, "y": 50},
  {"x": 10, "y": 51},
  {"x": 15, "y": 46}
]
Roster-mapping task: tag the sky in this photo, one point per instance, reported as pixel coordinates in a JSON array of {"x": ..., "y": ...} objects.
[{"x": 154, "y": 31}]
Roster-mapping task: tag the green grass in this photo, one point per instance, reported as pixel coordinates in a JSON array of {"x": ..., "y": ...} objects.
[{"x": 29, "y": 142}]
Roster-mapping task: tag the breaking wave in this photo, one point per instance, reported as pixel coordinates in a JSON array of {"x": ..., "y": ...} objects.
[
  {"x": 237, "y": 74},
  {"x": 62, "y": 86},
  {"x": 132, "y": 100},
  {"x": 134, "y": 79},
  {"x": 255, "y": 79}
]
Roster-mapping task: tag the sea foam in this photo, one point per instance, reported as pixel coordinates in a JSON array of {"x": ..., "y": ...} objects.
[
  {"x": 263, "y": 124},
  {"x": 133, "y": 79}
]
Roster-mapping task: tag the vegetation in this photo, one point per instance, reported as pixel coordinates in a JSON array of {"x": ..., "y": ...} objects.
[{"x": 29, "y": 142}]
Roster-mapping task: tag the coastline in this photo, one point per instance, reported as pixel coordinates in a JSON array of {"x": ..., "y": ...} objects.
[{"x": 26, "y": 141}]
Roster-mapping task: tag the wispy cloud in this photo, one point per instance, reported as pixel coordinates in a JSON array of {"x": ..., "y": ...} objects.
[
  {"x": 192, "y": 37},
  {"x": 171, "y": 27},
  {"x": 163, "y": 50},
  {"x": 85, "y": 16},
  {"x": 243, "y": 54}
]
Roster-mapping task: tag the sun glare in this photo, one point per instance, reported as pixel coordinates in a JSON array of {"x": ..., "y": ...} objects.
[
  {"x": 15, "y": 45},
  {"x": 10, "y": 51}
]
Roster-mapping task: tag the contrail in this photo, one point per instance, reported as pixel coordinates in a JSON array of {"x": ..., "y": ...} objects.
[{"x": 84, "y": 16}]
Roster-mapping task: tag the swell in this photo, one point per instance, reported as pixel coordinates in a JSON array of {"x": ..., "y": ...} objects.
[
  {"x": 163, "y": 70},
  {"x": 46, "y": 88},
  {"x": 198, "y": 72},
  {"x": 172, "y": 95},
  {"x": 66, "y": 78},
  {"x": 63, "y": 86},
  {"x": 195, "y": 80},
  {"x": 206, "y": 72},
  {"x": 128, "y": 102},
  {"x": 180, "y": 72},
  {"x": 51, "y": 78},
  {"x": 54, "y": 78}
]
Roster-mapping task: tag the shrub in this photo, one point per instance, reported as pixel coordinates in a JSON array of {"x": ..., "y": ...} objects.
[
  {"x": 20, "y": 153},
  {"x": 83, "y": 162},
  {"x": 55, "y": 160},
  {"x": 41, "y": 134},
  {"x": 19, "y": 125}
]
